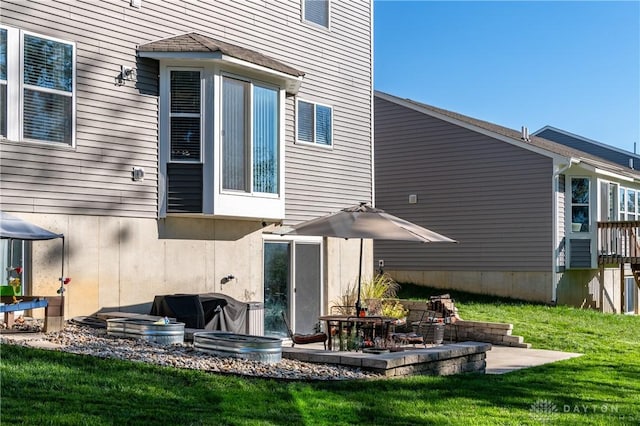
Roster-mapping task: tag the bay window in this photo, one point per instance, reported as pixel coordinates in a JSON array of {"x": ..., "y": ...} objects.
[
  {"x": 221, "y": 128},
  {"x": 222, "y": 148},
  {"x": 37, "y": 87}
]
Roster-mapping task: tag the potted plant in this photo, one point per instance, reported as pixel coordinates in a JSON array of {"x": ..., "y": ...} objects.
[{"x": 394, "y": 309}]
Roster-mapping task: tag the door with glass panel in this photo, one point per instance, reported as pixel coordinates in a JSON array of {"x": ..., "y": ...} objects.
[
  {"x": 293, "y": 285},
  {"x": 630, "y": 295},
  {"x": 12, "y": 267}
]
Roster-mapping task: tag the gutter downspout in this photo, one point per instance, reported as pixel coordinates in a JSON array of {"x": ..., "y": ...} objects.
[
  {"x": 554, "y": 285},
  {"x": 372, "y": 106}
]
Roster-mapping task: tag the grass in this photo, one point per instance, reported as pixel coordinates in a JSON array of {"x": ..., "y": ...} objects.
[{"x": 602, "y": 387}]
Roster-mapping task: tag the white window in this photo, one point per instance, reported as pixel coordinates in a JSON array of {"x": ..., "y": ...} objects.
[
  {"x": 629, "y": 209},
  {"x": 580, "y": 204},
  {"x": 314, "y": 123},
  {"x": 37, "y": 87},
  {"x": 316, "y": 11},
  {"x": 221, "y": 138},
  {"x": 250, "y": 128}
]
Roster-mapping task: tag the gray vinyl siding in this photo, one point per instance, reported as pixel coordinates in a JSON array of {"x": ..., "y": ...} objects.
[
  {"x": 601, "y": 151},
  {"x": 491, "y": 196},
  {"x": 320, "y": 180},
  {"x": 117, "y": 126}
]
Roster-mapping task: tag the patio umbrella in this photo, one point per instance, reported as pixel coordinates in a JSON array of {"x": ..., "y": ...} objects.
[{"x": 364, "y": 221}]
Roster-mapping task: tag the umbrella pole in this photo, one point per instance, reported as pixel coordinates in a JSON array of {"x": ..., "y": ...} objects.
[
  {"x": 62, "y": 283},
  {"x": 358, "y": 302}
]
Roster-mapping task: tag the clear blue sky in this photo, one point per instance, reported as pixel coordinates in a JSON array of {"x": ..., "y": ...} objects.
[{"x": 574, "y": 65}]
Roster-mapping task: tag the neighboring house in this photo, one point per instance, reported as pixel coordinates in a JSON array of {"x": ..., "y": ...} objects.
[
  {"x": 535, "y": 219},
  {"x": 168, "y": 140},
  {"x": 611, "y": 153}
]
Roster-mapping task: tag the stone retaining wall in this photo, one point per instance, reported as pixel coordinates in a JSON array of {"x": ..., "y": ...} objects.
[
  {"x": 492, "y": 332},
  {"x": 496, "y": 333},
  {"x": 464, "y": 357}
]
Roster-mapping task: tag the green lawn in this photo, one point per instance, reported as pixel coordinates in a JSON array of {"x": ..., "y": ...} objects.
[{"x": 602, "y": 387}]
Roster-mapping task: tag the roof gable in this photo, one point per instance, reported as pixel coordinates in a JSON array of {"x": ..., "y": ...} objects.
[{"x": 533, "y": 143}]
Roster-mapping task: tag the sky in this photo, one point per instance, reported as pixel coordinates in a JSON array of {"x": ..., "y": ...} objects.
[{"x": 574, "y": 65}]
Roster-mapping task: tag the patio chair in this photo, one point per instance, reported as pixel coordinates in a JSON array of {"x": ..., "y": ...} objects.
[
  {"x": 411, "y": 333},
  {"x": 303, "y": 339},
  {"x": 429, "y": 326}
]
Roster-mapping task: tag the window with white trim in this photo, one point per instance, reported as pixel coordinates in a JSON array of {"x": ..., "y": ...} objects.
[
  {"x": 316, "y": 11},
  {"x": 580, "y": 196},
  {"x": 221, "y": 143},
  {"x": 250, "y": 127},
  {"x": 37, "y": 87},
  {"x": 629, "y": 209},
  {"x": 314, "y": 123}
]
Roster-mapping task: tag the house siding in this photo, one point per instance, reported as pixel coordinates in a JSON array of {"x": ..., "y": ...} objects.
[
  {"x": 117, "y": 126},
  {"x": 494, "y": 198},
  {"x": 117, "y": 250}
]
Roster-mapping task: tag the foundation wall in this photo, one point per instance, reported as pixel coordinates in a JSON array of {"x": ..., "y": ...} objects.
[{"x": 123, "y": 263}]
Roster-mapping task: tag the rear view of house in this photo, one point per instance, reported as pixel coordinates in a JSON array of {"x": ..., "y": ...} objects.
[
  {"x": 167, "y": 140},
  {"x": 535, "y": 219}
]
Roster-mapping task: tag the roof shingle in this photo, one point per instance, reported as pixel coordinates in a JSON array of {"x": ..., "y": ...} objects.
[
  {"x": 198, "y": 43},
  {"x": 547, "y": 145}
]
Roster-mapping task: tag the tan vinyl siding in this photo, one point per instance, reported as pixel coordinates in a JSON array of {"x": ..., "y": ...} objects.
[
  {"x": 117, "y": 126},
  {"x": 493, "y": 197}
]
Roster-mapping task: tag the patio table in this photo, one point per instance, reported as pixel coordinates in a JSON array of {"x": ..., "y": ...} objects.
[{"x": 348, "y": 321}]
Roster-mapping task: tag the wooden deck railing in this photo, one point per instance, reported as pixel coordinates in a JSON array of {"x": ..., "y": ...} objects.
[{"x": 619, "y": 242}]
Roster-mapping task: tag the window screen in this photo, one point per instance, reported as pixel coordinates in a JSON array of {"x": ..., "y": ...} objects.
[
  {"x": 317, "y": 11},
  {"x": 314, "y": 123},
  {"x": 305, "y": 121},
  {"x": 185, "y": 116}
]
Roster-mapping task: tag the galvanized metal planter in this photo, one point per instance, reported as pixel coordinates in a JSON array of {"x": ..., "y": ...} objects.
[
  {"x": 244, "y": 346},
  {"x": 133, "y": 328}
]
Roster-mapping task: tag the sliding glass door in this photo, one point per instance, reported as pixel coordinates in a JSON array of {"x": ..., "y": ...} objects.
[{"x": 292, "y": 285}]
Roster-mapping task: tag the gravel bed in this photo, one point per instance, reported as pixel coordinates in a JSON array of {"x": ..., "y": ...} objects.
[{"x": 85, "y": 340}]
